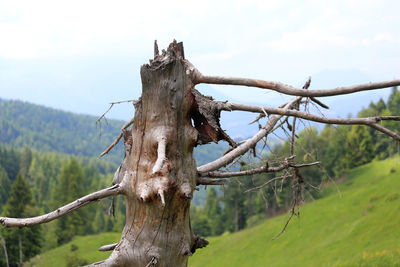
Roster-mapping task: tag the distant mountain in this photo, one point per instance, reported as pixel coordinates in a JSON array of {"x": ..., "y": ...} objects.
[
  {"x": 46, "y": 129},
  {"x": 51, "y": 130}
]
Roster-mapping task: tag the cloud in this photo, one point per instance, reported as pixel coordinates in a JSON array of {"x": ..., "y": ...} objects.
[
  {"x": 381, "y": 38},
  {"x": 32, "y": 29},
  {"x": 45, "y": 28},
  {"x": 323, "y": 32},
  {"x": 286, "y": 40}
]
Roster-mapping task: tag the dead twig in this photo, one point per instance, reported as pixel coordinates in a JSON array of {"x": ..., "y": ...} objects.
[
  {"x": 292, "y": 212},
  {"x": 111, "y": 105},
  {"x": 116, "y": 140}
]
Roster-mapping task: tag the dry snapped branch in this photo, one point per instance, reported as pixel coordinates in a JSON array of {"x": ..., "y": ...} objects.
[
  {"x": 116, "y": 140},
  {"x": 286, "y": 164},
  {"x": 93, "y": 197},
  {"x": 289, "y": 90},
  {"x": 158, "y": 173}
]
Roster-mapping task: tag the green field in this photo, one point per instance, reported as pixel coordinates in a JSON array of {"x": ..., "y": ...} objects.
[
  {"x": 358, "y": 227},
  {"x": 87, "y": 249}
]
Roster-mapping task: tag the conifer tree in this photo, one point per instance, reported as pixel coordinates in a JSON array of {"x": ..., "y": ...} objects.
[
  {"x": 25, "y": 162},
  {"x": 37, "y": 179},
  {"x": 361, "y": 143},
  {"x": 20, "y": 204},
  {"x": 68, "y": 190},
  {"x": 5, "y": 187},
  {"x": 235, "y": 209},
  {"x": 9, "y": 159},
  {"x": 212, "y": 211},
  {"x": 394, "y": 101}
]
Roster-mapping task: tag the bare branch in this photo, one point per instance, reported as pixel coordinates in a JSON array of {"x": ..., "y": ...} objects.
[
  {"x": 211, "y": 181},
  {"x": 293, "y": 137},
  {"x": 308, "y": 82},
  {"x": 83, "y": 201},
  {"x": 287, "y": 163},
  {"x": 385, "y": 130},
  {"x": 369, "y": 121},
  {"x": 289, "y": 90},
  {"x": 229, "y": 106},
  {"x": 116, "y": 140},
  {"x": 111, "y": 105},
  {"x": 232, "y": 148},
  {"x": 156, "y": 52},
  {"x": 257, "y": 119},
  {"x": 292, "y": 212},
  {"x": 108, "y": 247},
  {"x": 240, "y": 150},
  {"x": 280, "y": 125},
  {"x": 316, "y": 101},
  {"x": 266, "y": 183},
  {"x": 306, "y": 86},
  {"x": 305, "y": 164}
]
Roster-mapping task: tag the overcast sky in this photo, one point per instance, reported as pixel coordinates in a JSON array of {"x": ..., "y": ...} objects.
[{"x": 80, "y": 55}]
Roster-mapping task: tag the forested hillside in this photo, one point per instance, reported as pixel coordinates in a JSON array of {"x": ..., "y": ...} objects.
[
  {"x": 33, "y": 183},
  {"x": 50, "y": 130},
  {"x": 45, "y": 129}
]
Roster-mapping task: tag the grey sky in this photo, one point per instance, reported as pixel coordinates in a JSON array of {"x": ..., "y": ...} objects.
[{"x": 80, "y": 55}]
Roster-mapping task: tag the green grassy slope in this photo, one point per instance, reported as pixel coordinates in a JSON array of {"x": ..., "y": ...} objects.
[
  {"x": 360, "y": 228},
  {"x": 87, "y": 249}
]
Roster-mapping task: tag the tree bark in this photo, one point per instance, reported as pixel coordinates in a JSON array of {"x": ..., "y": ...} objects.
[{"x": 160, "y": 173}]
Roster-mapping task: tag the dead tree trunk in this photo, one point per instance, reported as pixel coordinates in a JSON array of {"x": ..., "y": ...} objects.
[{"x": 160, "y": 171}]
